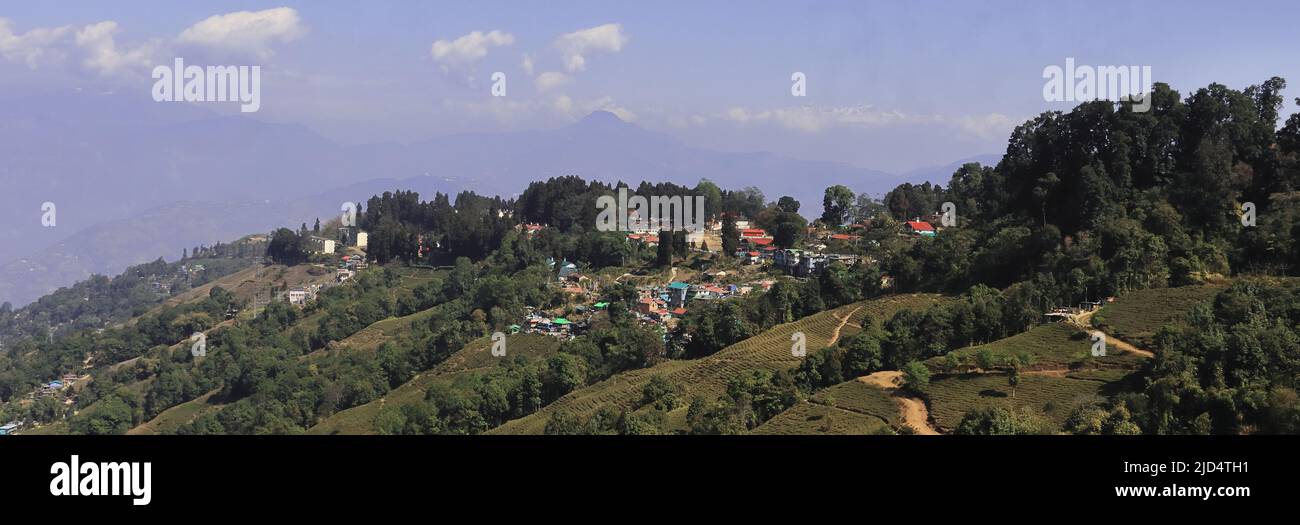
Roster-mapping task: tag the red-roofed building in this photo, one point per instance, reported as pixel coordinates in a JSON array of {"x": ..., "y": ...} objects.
[
  {"x": 919, "y": 228},
  {"x": 752, "y": 232},
  {"x": 845, "y": 237}
]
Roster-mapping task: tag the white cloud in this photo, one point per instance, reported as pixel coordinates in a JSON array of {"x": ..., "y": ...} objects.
[
  {"x": 551, "y": 79},
  {"x": 102, "y": 55},
  {"x": 36, "y": 46},
  {"x": 467, "y": 49},
  {"x": 250, "y": 32},
  {"x": 993, "y": 125},
  {"x": 577, "y": 45},
  {"x": 537, "y": 111},
  {"x": 527, "y": 64},
  {"x": 809, "y": 119},
  {"x": 563, "y": 104},
  {"x": 94, "y": 45}
]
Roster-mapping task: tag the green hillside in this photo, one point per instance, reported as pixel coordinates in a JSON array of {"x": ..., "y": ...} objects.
[{"x": 708, "y": 376}]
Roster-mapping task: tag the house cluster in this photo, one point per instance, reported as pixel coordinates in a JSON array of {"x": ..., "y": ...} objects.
[
  {"x": 663, "y": 304},
  {"x": 573, "y": 283},
  {"x": 537, "y": 322},
  {"x": 647, "y": 231},
  {"x": 807, "y": 263},
  {"x": 190, "y": 270},
  {"x": 55, "y": 387},
  {"x": 349, "y": 265}
]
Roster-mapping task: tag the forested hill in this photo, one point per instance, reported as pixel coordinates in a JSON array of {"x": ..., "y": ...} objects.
[{"x": 1085, "y": 205}]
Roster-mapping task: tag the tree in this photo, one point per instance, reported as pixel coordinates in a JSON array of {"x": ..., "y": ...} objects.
[
  {"x": 1013, "y": 379},
  {"x": 730, "y": 235},
  {"x": 837, "y": 204},
  {"x": 1043, "y": 190},
  {"x": 916, "y": 377},
  {"x": 788, "y": 204},
  {"x": 286, "y": 247},
  {"x": 712, "y": 197},
  {"x": 667, "y": 245},
  {"x": 661, "y": 394}
]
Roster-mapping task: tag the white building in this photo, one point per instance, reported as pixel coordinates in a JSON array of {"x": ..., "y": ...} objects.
[{"x": 321, "y": 245}]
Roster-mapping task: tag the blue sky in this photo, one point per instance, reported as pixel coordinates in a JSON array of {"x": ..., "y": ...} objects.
[{"x": 891, "y": 85}]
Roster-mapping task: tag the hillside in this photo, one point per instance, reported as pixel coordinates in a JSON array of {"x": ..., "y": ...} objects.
[
  {"x": 707, "y": 376},
  {"x": 461, "y": 367},
  {"x": 1061, "y": 374}
]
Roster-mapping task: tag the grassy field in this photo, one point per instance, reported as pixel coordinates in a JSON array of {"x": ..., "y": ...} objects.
[
  {"x": 1052, "y": 397},
  {"x": 708, "y": 376},
  {"x": 1137, "y": 316},
  {"x": 175, "y": 417},
  {"x": 856, "y": 396},
  {"x": 851, "y": 407},
  {"x": 1053, "y": 346},
  {"x": 460, "y": 366},
  {"x": 806, "y": 418}
]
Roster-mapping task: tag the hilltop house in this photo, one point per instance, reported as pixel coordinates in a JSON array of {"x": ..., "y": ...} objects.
[{"x": 919, "y": 227}]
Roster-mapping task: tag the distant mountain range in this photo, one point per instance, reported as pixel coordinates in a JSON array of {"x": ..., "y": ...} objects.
[{"x": 134, "y": 180}]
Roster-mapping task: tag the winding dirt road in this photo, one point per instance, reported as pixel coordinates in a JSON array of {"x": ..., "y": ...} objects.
[
  {"x": 1080, "y": 321},
  {"x": 913, "y": 410},
  {"x": 835, "y": 335}
]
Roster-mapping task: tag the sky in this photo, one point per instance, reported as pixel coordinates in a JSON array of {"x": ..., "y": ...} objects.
[{"x": 893, "y": 86}]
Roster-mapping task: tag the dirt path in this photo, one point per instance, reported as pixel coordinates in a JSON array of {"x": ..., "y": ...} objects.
[
  {"x": 913, "y": 410},
  {"x": 1123, "y": 345},
  {"x": 1081, "y": 322},
  {"x": 835, "y": 335},
  {"x": 888, "y": 380},
  {"x": 915, "y": 415}
]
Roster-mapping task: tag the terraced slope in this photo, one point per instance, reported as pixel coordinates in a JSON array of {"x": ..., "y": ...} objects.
[
  {"x": 1063, "y": 372},
  {"x": 1136, "y": 316},
  {"x": 475, "y": 357},
  {"x": 852, "y": 407},
  {"x": 708, "y": 376},
  {"x": 1053, "y": 346},
  {"x": 1052, "y": 397},
  {"x": 175, "y": 417}
]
